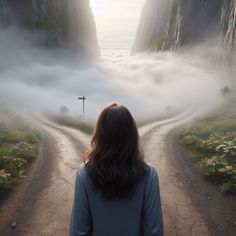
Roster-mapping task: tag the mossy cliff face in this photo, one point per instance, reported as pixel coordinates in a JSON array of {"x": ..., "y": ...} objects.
[
  {"x": 228, "y": 28},
  {"x": 4, "y": 13},
  {"x": 59, "y": 23},
  {"x": 175, "y": 23},
  {"x": 151, "y": 30}
]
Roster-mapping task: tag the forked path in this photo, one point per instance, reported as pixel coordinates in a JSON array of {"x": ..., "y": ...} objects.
[
  {"x": 50, "y": 213},
  {"x": 180, "y": 215}
]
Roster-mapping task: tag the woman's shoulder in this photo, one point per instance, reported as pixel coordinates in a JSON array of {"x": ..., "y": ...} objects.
[
  {"x": 81, "y": 171},
  {"x": 152, "y": 180},
  {"x": 151, "y": 171}
]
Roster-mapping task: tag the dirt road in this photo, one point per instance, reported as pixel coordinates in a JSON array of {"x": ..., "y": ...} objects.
[
  {"x": 180, "y": 215},
  {"x": 50, "y": 209}
]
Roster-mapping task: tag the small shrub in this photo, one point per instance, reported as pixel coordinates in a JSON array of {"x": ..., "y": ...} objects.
[
  {"x": 228, "y": 187},
  {"x": 6, "y": 180},
  {"x": 33, "y": 137},
  {"x": 217, "y": 168},
  {"x": 191, "y": 140}
]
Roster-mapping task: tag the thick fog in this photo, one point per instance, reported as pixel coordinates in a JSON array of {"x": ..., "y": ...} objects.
[{"x": 38, "y": 80}]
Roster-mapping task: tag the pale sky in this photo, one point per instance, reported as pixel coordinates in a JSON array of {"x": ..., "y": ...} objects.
[{"x": 117, "y": 21}]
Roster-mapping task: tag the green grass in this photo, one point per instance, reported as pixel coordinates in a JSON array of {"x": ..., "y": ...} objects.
[
  {"x": 88, "y": 127},
  {"x": 211, "y": 143},
  {"x": 73, "y": 122},
  {"x": 158, "y": 117},
  {"x": 19, "y": 145}
]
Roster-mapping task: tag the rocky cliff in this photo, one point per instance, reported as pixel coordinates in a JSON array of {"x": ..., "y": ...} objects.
[
  {"x": 169, "y": 24},
  {"x": 58, "y": 23},
  {"x": 228, "y": 28}
]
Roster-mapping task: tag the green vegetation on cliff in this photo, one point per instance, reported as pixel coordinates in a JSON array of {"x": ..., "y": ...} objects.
[
  {"x": 176, "y": 23},
  {"x": 228, "y": 29},
  {"x": 168, "y": 38},
  {"x": 50, "y": 23},
  {"x": 58, "y": 24}
]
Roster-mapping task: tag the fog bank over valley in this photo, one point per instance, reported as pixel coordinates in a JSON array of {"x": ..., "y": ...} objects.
[
  {"x": 50, "y": 57},
  {"x": 33, "y": 79}
]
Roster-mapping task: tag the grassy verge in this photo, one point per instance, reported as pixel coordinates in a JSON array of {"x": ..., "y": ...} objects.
[
  {"x": 211, "y": 142},
  {"x": 158, "y": 117},
  {"x": 88, "y": 128},
  {"x": 73, "y": 122},
  {"x": 18, "y": 148}
]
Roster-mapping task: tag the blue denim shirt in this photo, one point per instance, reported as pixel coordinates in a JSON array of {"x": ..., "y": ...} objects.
[{"x": 95, "y": 216}]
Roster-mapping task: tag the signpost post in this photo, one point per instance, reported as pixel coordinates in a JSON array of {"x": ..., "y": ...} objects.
[{"x": 83, "y": 99}]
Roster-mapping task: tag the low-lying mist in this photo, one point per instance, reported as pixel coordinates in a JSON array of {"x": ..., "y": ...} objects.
[{"x": 37, "y": 80}]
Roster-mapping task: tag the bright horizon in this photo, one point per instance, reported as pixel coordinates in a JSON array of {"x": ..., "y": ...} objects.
[{"x": 117, "y": 22}]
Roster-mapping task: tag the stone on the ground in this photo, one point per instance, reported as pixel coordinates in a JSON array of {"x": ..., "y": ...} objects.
[{"x": 13, "y": 225}]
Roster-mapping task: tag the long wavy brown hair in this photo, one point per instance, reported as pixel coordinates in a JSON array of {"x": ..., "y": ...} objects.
[{"x": 115, "y": 162}]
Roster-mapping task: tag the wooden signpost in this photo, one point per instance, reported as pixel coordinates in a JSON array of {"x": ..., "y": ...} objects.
[{"x": 83, "y": 99}]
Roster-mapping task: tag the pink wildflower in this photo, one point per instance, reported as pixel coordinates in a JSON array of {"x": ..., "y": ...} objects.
[{"x": 4, "y": 174}]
